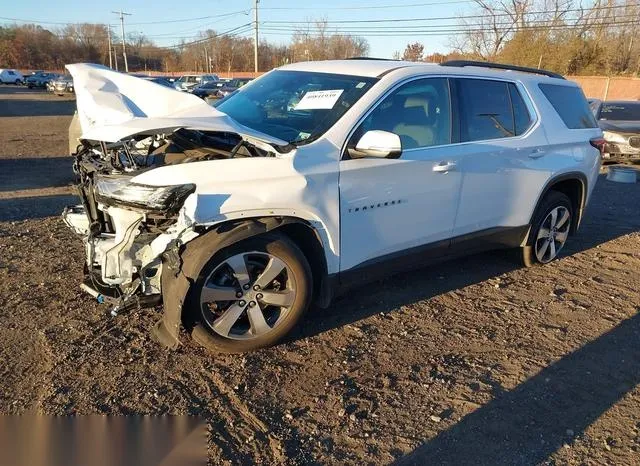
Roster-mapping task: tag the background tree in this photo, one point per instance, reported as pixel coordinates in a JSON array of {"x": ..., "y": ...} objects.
[{"x": 413, "y": 52}]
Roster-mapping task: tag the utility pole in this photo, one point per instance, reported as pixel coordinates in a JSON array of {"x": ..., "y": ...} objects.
[
  {"x": 124, "y": 47},
  {"x": 255, "y": 41},
  {"x": 109, "y": 37}
]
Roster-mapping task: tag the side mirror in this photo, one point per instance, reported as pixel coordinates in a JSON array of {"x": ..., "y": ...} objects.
[{"x": 377, "y": 143}]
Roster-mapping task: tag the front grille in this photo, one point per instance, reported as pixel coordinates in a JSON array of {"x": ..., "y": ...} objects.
[{"x": 634, "y": 141}]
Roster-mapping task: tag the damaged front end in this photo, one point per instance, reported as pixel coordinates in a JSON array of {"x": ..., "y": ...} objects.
[
  {"x": 127, "y": 130},
  {"x": 128, "y": 226}
]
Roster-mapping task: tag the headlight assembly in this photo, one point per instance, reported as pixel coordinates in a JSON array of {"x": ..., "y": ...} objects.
[
  {"x": 142, "y": 196},
  {"x": 614, "y": 137}
]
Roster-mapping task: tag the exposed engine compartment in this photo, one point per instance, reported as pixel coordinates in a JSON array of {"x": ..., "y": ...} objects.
[
  {"x": 141, "y": 153},
  {"x": 121, "y": 254}
]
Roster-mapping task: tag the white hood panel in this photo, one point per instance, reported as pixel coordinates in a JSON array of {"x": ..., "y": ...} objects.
[{"x": 113, "y": 106}]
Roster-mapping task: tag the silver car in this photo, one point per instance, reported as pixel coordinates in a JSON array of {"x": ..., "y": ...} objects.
[{"x": 620, "y": 122}]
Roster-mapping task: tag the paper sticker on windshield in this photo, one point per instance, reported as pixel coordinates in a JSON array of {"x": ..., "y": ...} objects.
[{"x": 316, "y": 100}]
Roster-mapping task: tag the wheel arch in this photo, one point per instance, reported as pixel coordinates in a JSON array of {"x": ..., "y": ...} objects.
[
  {"x": 181, "y": 265},
  {"x": 575, "y": 186}
]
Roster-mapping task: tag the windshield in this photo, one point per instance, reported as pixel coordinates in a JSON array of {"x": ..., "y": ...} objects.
[
  {"x": 295, "y": 106},
  {"x": 620, "y": 111}
]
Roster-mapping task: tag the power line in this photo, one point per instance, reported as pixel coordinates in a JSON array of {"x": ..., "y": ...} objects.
[
  {"x": 433, "y": 18},
  {"x": 68, "y": 23},
  {"x": 192, "y": 19},
  {"x": 552, "y": 22},
  {"x": 374, "y": 7},
  {"x": 237, "y": 30},
  {"x": 428, "y": 32}
]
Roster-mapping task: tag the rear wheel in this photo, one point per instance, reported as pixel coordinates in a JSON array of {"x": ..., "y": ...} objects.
[
  {"x": 549, "y": 230},
  {"x": 250, "y": 294}
]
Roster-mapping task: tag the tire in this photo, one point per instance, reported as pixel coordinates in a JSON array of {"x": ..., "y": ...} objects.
[
  {"x": 17, "y": 82},
  {"x": 237, "y": 323},
  {"x": 544, "y": 231}
]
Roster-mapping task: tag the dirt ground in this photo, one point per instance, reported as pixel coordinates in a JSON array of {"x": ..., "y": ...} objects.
[{"x": 475, "y": 361}]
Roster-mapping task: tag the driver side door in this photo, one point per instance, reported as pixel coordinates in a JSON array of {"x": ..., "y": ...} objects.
[{"x": 397, "y": 211}]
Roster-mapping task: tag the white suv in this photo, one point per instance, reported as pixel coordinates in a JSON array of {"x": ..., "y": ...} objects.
[{"x": 315, "y": 177}]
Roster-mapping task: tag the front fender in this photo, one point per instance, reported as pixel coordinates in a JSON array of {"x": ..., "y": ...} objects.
[{"x": 181, "y": 267}]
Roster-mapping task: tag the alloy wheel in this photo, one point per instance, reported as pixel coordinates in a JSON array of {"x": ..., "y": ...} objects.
[
  {"x": 552, "y": 234},
  {"x": 247, "y": 295}
]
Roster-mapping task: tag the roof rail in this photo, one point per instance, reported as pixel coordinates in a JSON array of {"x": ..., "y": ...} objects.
[
  {"x": 500, "y": 66},
  {"x": 371, "y": 58}
]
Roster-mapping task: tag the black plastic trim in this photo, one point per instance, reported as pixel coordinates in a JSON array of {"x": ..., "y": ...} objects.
[
  {"x": 420, "y": 256},
  {"x": 564, "y": 177},
  {"x": 501, "y": 66}
]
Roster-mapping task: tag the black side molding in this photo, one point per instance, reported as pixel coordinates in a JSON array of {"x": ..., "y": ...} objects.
[{"x": 500, "y": 66}]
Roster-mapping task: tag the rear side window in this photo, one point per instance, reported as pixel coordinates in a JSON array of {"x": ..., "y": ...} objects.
[
  {"x": 490, "y": 110},
  {"x": 571, "y": 105}
]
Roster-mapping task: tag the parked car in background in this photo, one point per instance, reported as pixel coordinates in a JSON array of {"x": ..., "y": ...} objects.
[
  {"x": 620, "y": 122},
  {"x": 50, "y": 84},
  {"x": 63, "y": 85},
  {"x": 162, "y": 80},
  {"x": 233, "y": 85},
  {"x": 40, "y": 79},
  {"x": 207, "y": 90},
  {"x": 188, "y": 81},
  {"x": 11, "y": 76},
  {"x": 217, "y": 90},
  {"x": 238, "y": 218}
]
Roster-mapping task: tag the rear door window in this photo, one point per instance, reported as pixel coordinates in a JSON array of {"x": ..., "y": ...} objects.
[
  {"x": 570, "y": 104},
  {"x": 521, "y": 116},
  {"x": 485, "y": 110}
]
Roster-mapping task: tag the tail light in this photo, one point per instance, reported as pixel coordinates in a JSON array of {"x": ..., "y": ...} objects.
[{"x": 598, "y": 143}]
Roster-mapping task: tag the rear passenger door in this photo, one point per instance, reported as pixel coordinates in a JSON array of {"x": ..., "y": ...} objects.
[{"x": 502, "y": 149}]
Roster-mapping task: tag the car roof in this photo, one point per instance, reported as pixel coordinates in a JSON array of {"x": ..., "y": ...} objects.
[
  {"x": 376, "y": 68},
  {"x": 369, "y": 68}
]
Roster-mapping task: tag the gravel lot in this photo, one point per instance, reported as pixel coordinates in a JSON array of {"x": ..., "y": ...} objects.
[{"x": 473, "y": 361}]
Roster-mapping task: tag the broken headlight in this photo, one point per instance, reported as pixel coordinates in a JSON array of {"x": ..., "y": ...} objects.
[
  {"x": 123, "y": 191},
  {"x": 614, "y": 137}
]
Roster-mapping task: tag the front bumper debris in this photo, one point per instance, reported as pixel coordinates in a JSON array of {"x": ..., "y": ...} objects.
[
  {"x": 619, "y": 150},
  {"x": 76, "y": 218}
]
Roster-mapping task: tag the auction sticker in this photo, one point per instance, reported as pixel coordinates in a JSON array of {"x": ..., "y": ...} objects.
[{"x": 316, "y": 100}]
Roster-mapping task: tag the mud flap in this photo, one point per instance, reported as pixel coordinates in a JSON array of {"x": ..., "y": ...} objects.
[{"x": 181, "y": 269}]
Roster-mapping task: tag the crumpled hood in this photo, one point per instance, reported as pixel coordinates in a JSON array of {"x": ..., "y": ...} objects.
[
  {"x": 620, "y": 126},
  {"x": 113, "y": 106}
]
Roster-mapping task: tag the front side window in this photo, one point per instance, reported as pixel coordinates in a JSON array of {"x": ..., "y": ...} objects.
[
  {"x": 295, "y": 106},
  {"x": 485, "y": 110},
  {"x": 419, "y": 112}
]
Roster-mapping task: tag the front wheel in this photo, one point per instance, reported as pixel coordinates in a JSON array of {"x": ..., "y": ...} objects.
[
  {"x": 18, "y": 82},
  {"x": 250, "y": 295},
  {"x": 550, "y": 229}
]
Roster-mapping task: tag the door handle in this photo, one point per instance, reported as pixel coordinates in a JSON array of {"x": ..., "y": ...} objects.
[
  {"x": 537, "y": 153},
  {"x": 444, "y": 167}
]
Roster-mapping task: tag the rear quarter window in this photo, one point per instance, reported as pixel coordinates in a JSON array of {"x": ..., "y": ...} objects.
[{"x": 570, "y": 104}]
